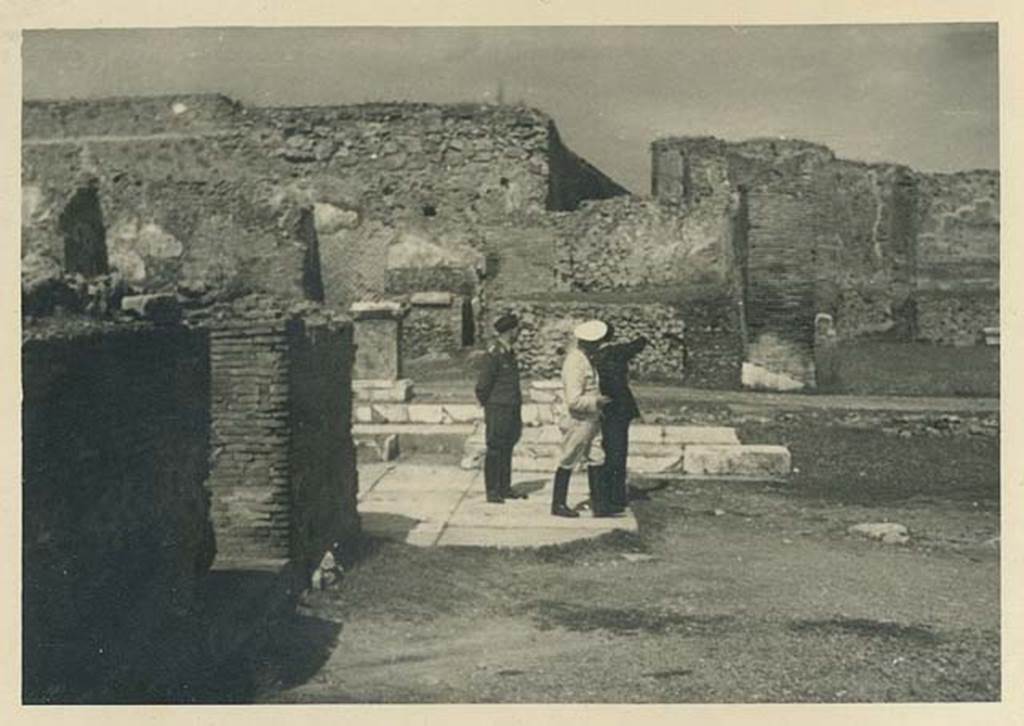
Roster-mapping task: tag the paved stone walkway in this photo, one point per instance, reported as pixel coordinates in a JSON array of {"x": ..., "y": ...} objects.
[{"x": 436, "y": 505}]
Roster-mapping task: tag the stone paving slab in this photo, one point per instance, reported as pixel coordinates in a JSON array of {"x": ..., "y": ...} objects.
[
  {"x": 426, "y": 505},
  {"x": 509, "y": 537}
]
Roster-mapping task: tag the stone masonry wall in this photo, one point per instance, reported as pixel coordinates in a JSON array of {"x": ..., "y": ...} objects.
[
  {"x": 460, "y": 176},
  {"x": 957, "y": 290},
  {"x": 434, "y": 325},
  {"x": 956, "y": 319},
  {"x": 631, "y": 243},
  {"x": 546, "y": 334},
  {"x": 116, "y": 534}
]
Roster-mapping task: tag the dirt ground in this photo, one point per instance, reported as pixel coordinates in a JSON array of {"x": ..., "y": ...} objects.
[{"x": 731, "y": 592}]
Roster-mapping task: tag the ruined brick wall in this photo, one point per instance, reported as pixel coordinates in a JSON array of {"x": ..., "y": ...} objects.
[
  {"x": 116, "y": 532},
  {"x": 546, "y": 332},
  {"x": 250, "y": 438},
  {"x": 283, "y": 478}
]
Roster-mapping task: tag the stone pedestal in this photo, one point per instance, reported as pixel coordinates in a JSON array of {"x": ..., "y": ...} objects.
[
  {"x": 826, "y": 352},
  {"x": 377, "y": 372}
]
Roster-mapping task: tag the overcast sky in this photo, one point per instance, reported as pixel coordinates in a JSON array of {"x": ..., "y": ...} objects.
[{"x": 923, "y": 95}]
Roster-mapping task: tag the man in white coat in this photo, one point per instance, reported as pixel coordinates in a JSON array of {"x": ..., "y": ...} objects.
[{"x": 581, "y": 423}]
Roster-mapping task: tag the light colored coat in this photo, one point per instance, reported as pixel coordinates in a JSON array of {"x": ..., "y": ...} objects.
[{"x": 581, "y": 423}]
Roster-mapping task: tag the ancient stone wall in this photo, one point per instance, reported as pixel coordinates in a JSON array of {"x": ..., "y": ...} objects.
[
  {"x": 438, "y": 324},
  {"x": 957, "y": 319},
  {"x": 168, "y": 217},
  {"x": 546, "y": 334},
  {"x": 632, "y": 243},
  {"x": 957, "y": 290},
  {"x": 458, "y": 178},
  {"x": 116, "y": 534}
]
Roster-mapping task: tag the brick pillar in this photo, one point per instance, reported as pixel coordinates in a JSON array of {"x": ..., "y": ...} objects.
[{"x": 249, "y": 481}]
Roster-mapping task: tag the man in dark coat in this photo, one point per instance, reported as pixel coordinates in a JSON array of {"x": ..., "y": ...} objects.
[
  {"x": 612, "y": 362},
  {"x": 498, "y": 391}
]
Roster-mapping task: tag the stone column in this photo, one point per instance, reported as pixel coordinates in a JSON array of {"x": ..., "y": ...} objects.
[{"x": 377, "y": 373}]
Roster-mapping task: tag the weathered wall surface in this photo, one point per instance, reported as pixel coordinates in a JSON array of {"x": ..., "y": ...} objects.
[
  {"x": 116, "y": 530},
  {"x": 438, "y": 323},
  {"x": 631, "y": 243},
  {"x": 458, "y": 176},
  {"x": 958, "y": 256},
  {"x": 169, "y": 217}
]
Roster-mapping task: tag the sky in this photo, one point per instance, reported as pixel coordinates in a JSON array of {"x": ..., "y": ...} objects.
[{"x": 925, "y": 95}]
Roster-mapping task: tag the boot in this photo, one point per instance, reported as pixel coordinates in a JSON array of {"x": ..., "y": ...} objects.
[
  {"x": 599, "y": 503},
  {"x": 560, "y": 491},
  {"x": 492, "y": 477}
]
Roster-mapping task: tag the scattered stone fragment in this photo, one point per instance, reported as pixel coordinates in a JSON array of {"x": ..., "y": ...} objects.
[
  {"x": 886, "y": 532},
  {"x": 637, "y": 557}
]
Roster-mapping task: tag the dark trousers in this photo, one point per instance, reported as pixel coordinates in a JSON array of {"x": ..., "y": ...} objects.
[
  {"x": 503, "y": 425},
  {"x": 615, "y": 438}
]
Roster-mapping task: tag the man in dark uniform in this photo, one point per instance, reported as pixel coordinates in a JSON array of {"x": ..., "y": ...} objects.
[
  {"x": 612, "y": 362},
  {"x": 497, "y": 390}
]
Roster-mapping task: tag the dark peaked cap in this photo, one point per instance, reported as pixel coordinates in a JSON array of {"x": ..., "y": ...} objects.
[{"x": 506, "y": 322}]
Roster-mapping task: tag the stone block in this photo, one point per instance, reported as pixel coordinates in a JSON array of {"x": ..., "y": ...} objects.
[
  {"x": 426, "y": 413},
  {"x": 757, "y": 377},
  {"x": 364, "y": 414},
  {"x": 743, "y": 460},
  {"x": 393, "y": 391},
  {"x": 390, "y": 413},
  {"x": 162, "y": 308},
  {"x": 431, "y": 299},
  {"x": 724, "y": 435},
  {"x": 461, "y": 413}
]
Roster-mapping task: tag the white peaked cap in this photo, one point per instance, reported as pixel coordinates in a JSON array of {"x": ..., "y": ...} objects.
[{"x": 591, "y": 331}]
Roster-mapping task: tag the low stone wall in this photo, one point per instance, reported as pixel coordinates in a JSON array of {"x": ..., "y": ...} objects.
[
  {"x": 547, "y": 334},
  {"x": 956, "y": 318},
  {"x": 116, "y": 532}
]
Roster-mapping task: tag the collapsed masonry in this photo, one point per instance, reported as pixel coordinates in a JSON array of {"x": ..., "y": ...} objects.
[{"x": 461, "y": 211}]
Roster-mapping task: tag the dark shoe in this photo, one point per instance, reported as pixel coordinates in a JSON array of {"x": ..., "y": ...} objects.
[
  {"x": 495, "y": 499},
  {"x": 559, "y": 492}
]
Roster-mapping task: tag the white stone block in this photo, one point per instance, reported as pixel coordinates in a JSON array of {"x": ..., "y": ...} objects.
[
  {"x": 755, "y": 376},
  {"x": 426, "y": 413},
  {"x": 461, "y": 413},
  {"x": 725, "y": 435},
  {"x": 390, "y": 412}
]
